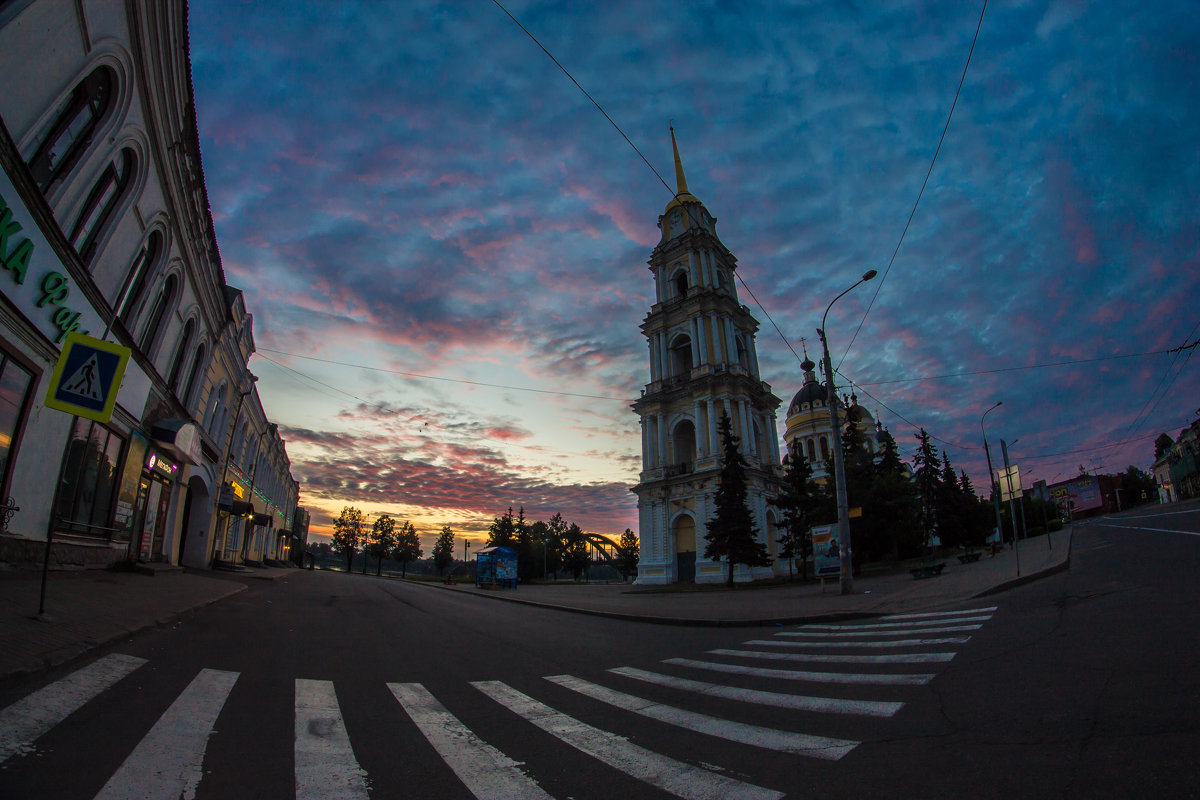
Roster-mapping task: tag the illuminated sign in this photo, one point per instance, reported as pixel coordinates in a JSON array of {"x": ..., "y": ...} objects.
[
  {"x": 238, "y": 490},
  {"x": 161, "y": 466}
]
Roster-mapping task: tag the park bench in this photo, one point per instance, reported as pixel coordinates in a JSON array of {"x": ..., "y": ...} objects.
[
  {"x": 927, "y": 570},
  {"x": 967, "y": 558}
]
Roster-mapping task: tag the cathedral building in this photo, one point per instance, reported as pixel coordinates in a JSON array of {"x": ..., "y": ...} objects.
[
  {"x": 703, "y": 364},
  {"x": 809, "y": 426}
]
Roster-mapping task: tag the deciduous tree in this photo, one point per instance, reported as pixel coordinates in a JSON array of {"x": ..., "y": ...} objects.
[
  {"x": 443, "y": 549},
  {"x": 381, "y": 541},
  {"x": 347, "y": 534},
  {"x": 408, "y": 546},
  {"x": 629, "y": 553}
]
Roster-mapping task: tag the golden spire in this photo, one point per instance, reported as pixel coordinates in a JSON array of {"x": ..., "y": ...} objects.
[{"x": 682, "y": 195}]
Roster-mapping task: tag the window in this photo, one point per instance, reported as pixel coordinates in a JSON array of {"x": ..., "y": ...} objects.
[
  {"x": 824, "y": 449},
  {"x": 185, "y": 344},
  {"x": 15, "y": 382},
  {"x": 90, "y": 477},
  {"x": 143, "y": 267},
  {"x": 681, "y": 356},
  {"x": 72, "y": 128},
  {"x": 681, "y": 284},
  {"x": 103, "y": 200},
  {"x": 193, "y": 374},
  {"x": 154, "y": 322}
]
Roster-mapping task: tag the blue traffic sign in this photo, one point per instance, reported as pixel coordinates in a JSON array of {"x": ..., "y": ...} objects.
[{"x": 87, "y": 377}]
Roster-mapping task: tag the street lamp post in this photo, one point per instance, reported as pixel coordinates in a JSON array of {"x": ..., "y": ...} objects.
[
  {"x": 839, "y": 465},
  {"x": 991, "y": 474},
  {"x": 1012, "y": 504}
]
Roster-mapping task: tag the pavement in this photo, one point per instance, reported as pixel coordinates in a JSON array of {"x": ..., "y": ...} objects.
[{"x": 87, "y": 609}]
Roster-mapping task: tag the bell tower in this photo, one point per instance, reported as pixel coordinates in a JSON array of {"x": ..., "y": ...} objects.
[{"x": 703, "y": 364}]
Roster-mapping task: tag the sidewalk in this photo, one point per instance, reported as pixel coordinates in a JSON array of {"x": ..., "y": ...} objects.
[
  {"x": 890, "y": 593},
  {"x": 89, "y": 608}
]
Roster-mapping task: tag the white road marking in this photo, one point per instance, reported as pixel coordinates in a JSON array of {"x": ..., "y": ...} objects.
[
  {"x": 675, "y": 777},
  {"x": 1142, "y": 528},
  {"x": 803, "y": 744},
  {"x": 888, "y": 644},
  {"x": 826, "y": 658},
  {"x": 875, "y": 625},
  {"x": 31, "y": 717},
  {"x": 168, "y": 763},
  {"x": 907, "y": 632},
  {"x": 915, "y": 679},
  {"x": 326, "y": 768},
  {"x": 924, "y": 614},
  {"x": 484, "y": 770},
  {"x": 829, "y": 705}
]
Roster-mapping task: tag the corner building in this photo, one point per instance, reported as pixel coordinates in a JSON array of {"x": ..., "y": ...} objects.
[
  {"x": 105, "y": 228},
  {"x": 703, "y": 364}
]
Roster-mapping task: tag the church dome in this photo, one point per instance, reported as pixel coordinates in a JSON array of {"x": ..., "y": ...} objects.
[{"x": 811, "y": 393}]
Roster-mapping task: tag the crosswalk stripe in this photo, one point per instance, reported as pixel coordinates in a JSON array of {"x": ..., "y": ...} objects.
[
  {"x": 878, "y": 625},
  {"x": 488, "y": 773},
  {"x": 908, "y": 632},
  {"x": 826, "y": 658},
  {"x": 325, "y": 764},
  {"x": 675, "y": 777},
  {"x": 925, "y": 614},
  {"x": 886, "y": 644},
  {"x": 804, "y": 744},
  {"x": 916, "y": 679},
  {"x": 829, "y": 705},
  {"x": 31, "y": 717},
  {"x": 167, "y": 763}
]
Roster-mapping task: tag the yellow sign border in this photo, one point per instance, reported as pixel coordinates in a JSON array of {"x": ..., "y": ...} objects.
[{"x": 110, "y": 401}]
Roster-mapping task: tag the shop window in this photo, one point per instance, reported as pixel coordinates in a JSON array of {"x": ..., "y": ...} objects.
[
  {"x": 73, "y": 128},
  {"x": 89, "y": 480},
  {"x": 15, "y": 383},
  {"x": 99, "y": 210},
  {"x": 158, "y": 315}
]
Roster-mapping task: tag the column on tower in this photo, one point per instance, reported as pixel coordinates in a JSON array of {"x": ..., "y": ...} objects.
[
  {"x": 702, "y": 340},
  {"x": 713, "y": 445},
  {"x": 693, "y": 323},
  {"x": 662, "y": 439},
  {"x": 654, "y": 373}
]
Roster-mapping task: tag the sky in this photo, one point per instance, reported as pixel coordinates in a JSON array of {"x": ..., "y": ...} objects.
[{"x": 443, "y": 241}]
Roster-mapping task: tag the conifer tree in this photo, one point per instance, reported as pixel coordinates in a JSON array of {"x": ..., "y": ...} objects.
[
  {"x": 502, "y": 531},
  {"x": 630, "y": 552},
  {"x": 929, "y": 480},
  {"x": 894, "y": 509},
  {"x": 732, "y": 534},
  {"x": 801, "y": 506}
]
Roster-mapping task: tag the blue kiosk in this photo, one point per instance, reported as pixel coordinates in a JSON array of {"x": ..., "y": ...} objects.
[{"x": 496, "y": 567}]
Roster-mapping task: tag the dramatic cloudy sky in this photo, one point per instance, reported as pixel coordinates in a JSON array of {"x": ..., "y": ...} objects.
[{"x": 443, "y": 242}]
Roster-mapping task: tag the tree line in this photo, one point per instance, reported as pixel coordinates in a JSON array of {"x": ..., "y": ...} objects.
[
  {"x": 387, "y": 538},
  {"x": 554, "y": 546}
]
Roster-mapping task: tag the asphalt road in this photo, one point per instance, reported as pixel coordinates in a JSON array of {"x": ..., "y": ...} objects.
[{"x": 1082, "y": 685}]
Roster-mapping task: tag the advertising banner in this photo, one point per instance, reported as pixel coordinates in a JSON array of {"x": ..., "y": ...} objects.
[{"x": 827, "y": 557}]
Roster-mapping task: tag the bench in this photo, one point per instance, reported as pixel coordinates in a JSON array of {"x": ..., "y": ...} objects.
[
  {"x": 967, "y": 558},
  {"x": 995, "y": 548},
  {"x": 927, "y": 571}
]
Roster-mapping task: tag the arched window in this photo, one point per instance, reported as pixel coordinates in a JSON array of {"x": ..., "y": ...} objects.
[
  {"x": 812, "y": 451},
  {"x": 684, "y": 438},
  {"x": 824, "y": 449},
  {"x": 681, "y": 284},
  {"x": 185, "y": 344},
  {"x": 140, "y": 272},
  {"x": 193, "y": 375},
  {"x": 158, "y": 315},
  {"x": 72, "y": 128},
  {"x": 743, "y": 356},
  {"x": 681, "y": 356},
  {"x": 102, "y": 201},
  {"x": 216, "y": 405}
]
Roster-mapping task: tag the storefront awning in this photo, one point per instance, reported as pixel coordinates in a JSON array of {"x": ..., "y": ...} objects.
[{"x": 181, "y": 436}]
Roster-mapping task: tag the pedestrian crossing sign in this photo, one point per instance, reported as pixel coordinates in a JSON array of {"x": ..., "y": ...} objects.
[{"x": 87, "y": 377}]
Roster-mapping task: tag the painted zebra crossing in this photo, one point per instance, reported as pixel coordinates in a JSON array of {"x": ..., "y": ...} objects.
[{"x": 170, "y": 760}]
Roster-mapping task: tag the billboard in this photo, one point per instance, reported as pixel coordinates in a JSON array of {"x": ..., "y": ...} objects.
[{"x": 827, "y": 556}]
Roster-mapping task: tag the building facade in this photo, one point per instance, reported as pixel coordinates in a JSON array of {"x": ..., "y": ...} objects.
[
  {"x": 703, "y": 364},
  {"x": 105, "y": 228}
]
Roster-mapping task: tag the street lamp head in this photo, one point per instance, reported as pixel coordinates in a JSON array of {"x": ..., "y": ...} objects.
[{"x": 869, "y": 274}]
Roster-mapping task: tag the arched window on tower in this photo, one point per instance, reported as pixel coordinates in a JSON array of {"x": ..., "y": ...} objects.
[
  {"x": 684, "y": 437},
  {"x": 824, "y": 449},
  {"x": 681, "y": 356},
  {"x": 681, "y": 284},
  {"x": 72, "y": 128},
  {"x": 812, "y": 452},
  {"x": 743, "y": 354},
  {"x": 158, "y": 315}
]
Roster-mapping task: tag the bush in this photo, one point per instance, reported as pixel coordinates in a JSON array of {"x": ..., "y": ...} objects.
[
  {"x": 1038, "y": 531},
  {"x": 1055, "y": 525}
]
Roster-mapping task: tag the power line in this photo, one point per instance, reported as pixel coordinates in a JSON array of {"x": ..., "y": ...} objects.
[
  {"x": 1065, "y": 363},
  {"x": 920, "y": 194}
]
